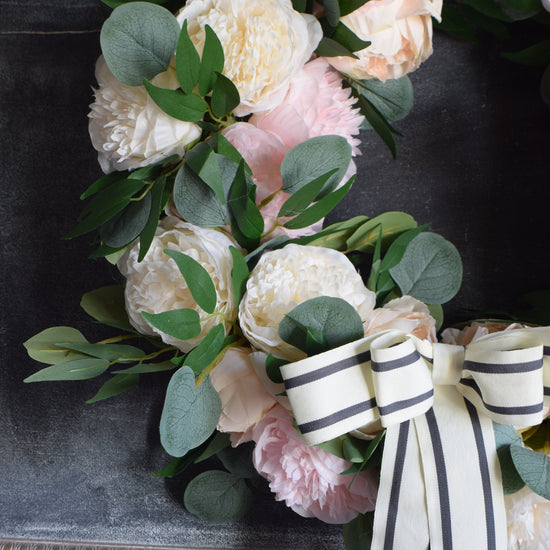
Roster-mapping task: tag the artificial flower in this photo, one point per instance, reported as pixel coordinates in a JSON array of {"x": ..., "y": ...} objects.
[
  {"x": 316, "y": 105},
  {"x": 127, "y": 128},
  {"x": 244, "y": 398},
  {"x": 265, "y": 43},
  {"x": 405, "y": 313},
  {"x": 475, "y": 330},
  {"x": 308, "y": 478},
  {"x": 528, "y": 519},
  {"x": 286, "y": 277},
  {"x": 400, "y": 32},
  {"x": 155, "y": 284}
]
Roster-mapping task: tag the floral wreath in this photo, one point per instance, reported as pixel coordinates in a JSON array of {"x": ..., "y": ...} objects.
[{"x": 301, "y": 355}]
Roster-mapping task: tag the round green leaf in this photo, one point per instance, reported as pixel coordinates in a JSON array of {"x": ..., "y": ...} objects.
[
  {"x": 430, "y": 269},
  {"x": 533, "y": 468},
  {"x": 217, "y": 497},
  {"x": 106, "y": 305},
  {"x": 138, "y": 41}
]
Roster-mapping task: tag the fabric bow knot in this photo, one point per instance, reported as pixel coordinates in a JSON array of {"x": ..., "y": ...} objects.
[{"x": 440, "y": 481}]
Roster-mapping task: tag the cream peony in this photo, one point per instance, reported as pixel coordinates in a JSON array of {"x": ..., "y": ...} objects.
[
  {"x": 308, "y": 478},
  {"x": 244, "y": 398},
  {"x": 284, "y": 278},
  {"x": 400, "y": 32},
  {"x": 407, "y": 314},
  {"x": 155, "y": 284},
  {"x": 265, "y": 43},
  {"x": 128, "y": 129},
  {"x": 475, "y": 331},
  {"x": 528, "y": 518}
]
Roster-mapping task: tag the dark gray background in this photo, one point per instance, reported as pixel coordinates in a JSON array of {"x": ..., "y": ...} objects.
[{"x": 474, "y": 161}]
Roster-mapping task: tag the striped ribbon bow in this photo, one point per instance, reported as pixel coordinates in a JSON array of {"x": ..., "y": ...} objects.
[{"x": 440, "y": 484}]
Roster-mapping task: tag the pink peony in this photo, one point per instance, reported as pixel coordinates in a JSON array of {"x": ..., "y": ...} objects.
[
  {"x": 407, "y": 314},
  {"x": 307, "y": 478},
  {"x": 244, "y": 398},
  {"x": 316, "y": 105},
  {"x": 264, "y": 153}
]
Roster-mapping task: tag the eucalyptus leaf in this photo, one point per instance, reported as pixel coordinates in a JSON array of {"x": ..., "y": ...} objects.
[
  {"x": 127, "y": 225},
  {"x": 436, "y": 311},
  {"x": 335, "y": 319},
  {"x": 187, "y": 107},
  {"x": 138, "y": 41},
  {"x": 106, "y": 305},
  {"x": 218, "y": 497},
  {"x": 43, "y": 346},
  {"x": 206, "y": 352},
  {"x": 196, "y": 202},
  {"x": 116, "y": 385},
  {"x": 182, "y": 324},
  {"x": 147, "y": 368},
  {"x": 518, "y": 10},
  {"x": 225, "y": 96},
  {"x": 272, "y": 368},
  {"x": 190, "y": 414},
  {"x": 506, "y": 435},
  {"x": 197, "y": 278},
  {"x": 212, "y": 61},
  {"x": 109, "y": 352},
  {"x": 239, "y": 274},
  {"x": 314, "y": 158},
  {"x": 393, "y": 98},
  {"x": 430, "y": 270},
  {"x": 358, "y": 533},
  {"x": 238, "y": 460},
  {"x": 511, "y": 480},
  {"x": 104, "y": 182},
  {"x": 204, "y": 162},
  {"x": 187, "y": 61},
  {"x": 378, "y": 123},
  {"x": 79, "y": 369},
  {"x": 224, "y": 147},
  {"x": 335, "y": 235},
  {"x": 533, "y": 468}
]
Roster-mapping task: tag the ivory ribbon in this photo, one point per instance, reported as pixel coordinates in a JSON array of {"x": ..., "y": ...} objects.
[{"x": 440, "y": 484}]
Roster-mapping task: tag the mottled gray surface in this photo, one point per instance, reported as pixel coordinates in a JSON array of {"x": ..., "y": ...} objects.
[{"x": 474, "y": 161}]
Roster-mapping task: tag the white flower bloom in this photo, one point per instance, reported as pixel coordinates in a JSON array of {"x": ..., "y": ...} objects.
[
  {"x": 265, "y": 43},
  {"x": 400, "y": 32},
  {"x": 155, "y": 284},
  {"x": 284, "y": 278},
  {"x": 528, "y": 518},
  {"x": 128, "y": 129}
]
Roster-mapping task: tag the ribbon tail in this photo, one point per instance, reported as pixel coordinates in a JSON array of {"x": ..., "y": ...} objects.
[
  {"x": 462, "y": 474},
  {"x": 400, "y": 519}
]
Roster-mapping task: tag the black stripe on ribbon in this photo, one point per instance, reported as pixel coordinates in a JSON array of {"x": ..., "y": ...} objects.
[
  {"x": 338, "y": 416},
  {"x": 396, "y": 485},
  {"x": 546, "y": 390},
  {"x": 323, "y": 372},
  {"x": 546, "y": 350},
  {"x": 503, "y": 368},
  {"x": 442, "y": 483},
  {"x": 426, "y": 358},
  {"x": 485, "y": 476},
  {"x": 386, "y": 366},
  {"x": 511, "y": 411},
  {"x": 404, "y": 403}
]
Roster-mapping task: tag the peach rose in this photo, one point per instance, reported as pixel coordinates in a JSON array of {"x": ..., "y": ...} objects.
[
  {"x": 400, "y": 32},
  {"x": 244, "y": 398},
  {"x": 475, "y": 331},
  {"x": 407, "y": 314}
]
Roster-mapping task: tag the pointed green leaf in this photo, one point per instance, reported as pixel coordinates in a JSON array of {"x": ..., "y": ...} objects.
[
  {"x": 225, "y": 148},
  {"x": 380, "y": 125},
  {"x": 358, "y": 533},
  {"x": 190, "y": 414},
  {"x": 348, "y": 6},
  {"x": 272, "y": 368},
  {"x": 116, "y": 385},
  {"x": 43, "y": 346},
  {"x": 238, "y": 460},
  {"x": 103, "y": 183},
  {"x": 182, "y": 324},
  {"x": 187, "y": 107},
  {"x": 239, "y": 274},
  {"x": 155, "y": 210},
  {"x": 225, "y": 96},
  {"x": 197, "y": 278},
  {"x": 332, "y": 11},
  {"x": 204, "y": 162},
  {"x": 109, "y": 352},
  {"x": 106, "y": 305},
  {"x": 330, "y": 48},
  {"x": 212, "y": 61},
  {"x": 343, "y": 35},
  {"x": 79, "y": 369},
  {"x": 187, "y": 61},
  {"x": 203, "y": 355},
  {"x": 537, "y": 55},
  {"x": 138, "y": 41},
  {"x": 147, "y": 368}
]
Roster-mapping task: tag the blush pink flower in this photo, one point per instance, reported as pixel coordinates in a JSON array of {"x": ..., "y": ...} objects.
[
  {"x": 307, "y": 478},
  {"x": 407, "y": 314},
  {"x": 316, "y": 105},
  {"x": 244, "y": 398},
  {"x": 475, "y": 331}
]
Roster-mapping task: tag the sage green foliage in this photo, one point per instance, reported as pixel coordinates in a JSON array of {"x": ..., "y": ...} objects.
[
  {"x": 218, "y": 497},
  {"x": 430, "y": 269},
  {"x": 106, "y": 305},
  {"x": 363, "y": 454},
  {"x": 320, "y": 324},
  {"x": 511, "y": 480},
  {"x": 238, "y": 460},
  {"x": 207, "y": 350},
  {"x": 272, "y": 368},
  {"x": 186, "y": 107},
  {"x": 77, "y": 369},
  {"x": 188, "y": 62},
  {"x": 182, "y": 324},
  {"x": 134, "y": 50},
  {"x": 190, "y": 414},
  {"x": 43, "y": 346},
  {"x": 239, "y": 274},
  {"x": 116, "y": 385},
  {"x": 225, "y": 96},
  {"x": 197, "y": 278},
  {"x": 157, "y": 202},
  {"x": 533, "y": 468},
  {"x": 358, "y": 532}
]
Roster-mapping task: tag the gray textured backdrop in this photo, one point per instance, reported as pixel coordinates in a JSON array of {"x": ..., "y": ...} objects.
[{"x": 474, "y": 161}]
